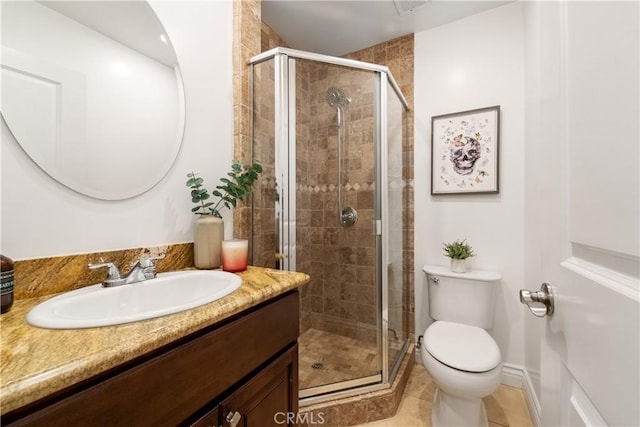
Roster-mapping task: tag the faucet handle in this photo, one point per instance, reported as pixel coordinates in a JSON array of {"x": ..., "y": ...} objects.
[
  {"x": 150, "y": 261},
  {"x": 148, "y": 265},
  {"x": 113, "y": 275}
]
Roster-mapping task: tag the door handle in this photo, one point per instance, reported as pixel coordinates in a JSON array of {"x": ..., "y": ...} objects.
[{"x": 543, "y": 296}]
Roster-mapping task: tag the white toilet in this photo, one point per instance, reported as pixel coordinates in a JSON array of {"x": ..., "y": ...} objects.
[{"x": 457, "y": 351}]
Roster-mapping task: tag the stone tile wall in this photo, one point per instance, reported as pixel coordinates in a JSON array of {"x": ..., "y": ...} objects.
[
  {"x": 246, "y": 44},
  {"x": 341, "y": 297},
  {"x": 398, "y": 55}
]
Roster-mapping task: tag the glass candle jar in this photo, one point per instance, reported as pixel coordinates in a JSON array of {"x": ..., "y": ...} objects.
[{"x": 234, "y": 255}]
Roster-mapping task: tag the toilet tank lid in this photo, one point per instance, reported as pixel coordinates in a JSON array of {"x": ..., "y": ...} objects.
[
  {"x": 463, "y": 347},
  {"x": 481, "y": 275}
]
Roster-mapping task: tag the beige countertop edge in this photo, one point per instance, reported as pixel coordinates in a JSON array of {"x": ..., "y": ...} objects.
[{"x": 37, "y": 362}]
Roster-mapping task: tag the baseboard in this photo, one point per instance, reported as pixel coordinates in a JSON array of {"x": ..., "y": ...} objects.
[
  {"x": 517, "y": 376},
  {"x": 535, "y": 410},
  {"x": 512, "y": 375}
]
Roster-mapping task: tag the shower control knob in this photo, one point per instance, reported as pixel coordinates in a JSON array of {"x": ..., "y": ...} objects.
[{"x": 348, "y": 216}]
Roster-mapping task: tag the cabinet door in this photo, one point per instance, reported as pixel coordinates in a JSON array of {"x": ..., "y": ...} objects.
[
  {"x": 268, "y": 399},
  {"x": 210, "y": 419}
]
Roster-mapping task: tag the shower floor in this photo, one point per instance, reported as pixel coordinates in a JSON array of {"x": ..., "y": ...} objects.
[{"x": 341, "y": 358}]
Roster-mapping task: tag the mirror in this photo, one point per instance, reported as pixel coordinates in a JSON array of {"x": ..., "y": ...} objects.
[{"x": 92, "y": 92}]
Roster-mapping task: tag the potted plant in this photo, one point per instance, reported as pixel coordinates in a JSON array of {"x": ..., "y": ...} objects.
[
  {"x": 209, "y": 227},
  {"x": 458, "y": 251}
]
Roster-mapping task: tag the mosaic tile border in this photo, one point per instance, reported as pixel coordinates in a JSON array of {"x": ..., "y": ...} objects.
[{"x": 348, "y": 186}]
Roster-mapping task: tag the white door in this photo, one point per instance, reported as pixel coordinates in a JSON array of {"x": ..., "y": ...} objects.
[{"x": 582, "y": 118}]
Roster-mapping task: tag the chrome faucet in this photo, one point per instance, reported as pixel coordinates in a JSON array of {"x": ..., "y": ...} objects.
[{"x": 144, "y": 269}]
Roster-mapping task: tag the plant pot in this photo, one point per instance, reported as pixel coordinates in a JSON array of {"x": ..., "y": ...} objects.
[
  {"x": 207, "y": 242},
  {"x": 459, "y": 265}
]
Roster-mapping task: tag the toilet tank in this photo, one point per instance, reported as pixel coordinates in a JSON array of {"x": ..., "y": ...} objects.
[{"x": 466, "y": 298}]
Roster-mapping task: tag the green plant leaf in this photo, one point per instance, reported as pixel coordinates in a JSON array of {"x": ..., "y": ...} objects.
[
  {"x": 458, "y": 249},
  {"x": 237, "y": 184}
]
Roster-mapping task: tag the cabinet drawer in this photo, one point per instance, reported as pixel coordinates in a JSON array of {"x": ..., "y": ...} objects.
[{"x": 170, "y": 387}]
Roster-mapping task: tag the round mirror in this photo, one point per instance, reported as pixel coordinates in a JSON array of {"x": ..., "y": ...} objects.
[{"x": 92, "y": 92}]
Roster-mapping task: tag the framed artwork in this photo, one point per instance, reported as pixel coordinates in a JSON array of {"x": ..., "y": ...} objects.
[{"x": 464, "y": 152}]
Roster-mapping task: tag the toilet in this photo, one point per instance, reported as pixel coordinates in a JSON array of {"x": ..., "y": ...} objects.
[{"x": 457, "y": 351}]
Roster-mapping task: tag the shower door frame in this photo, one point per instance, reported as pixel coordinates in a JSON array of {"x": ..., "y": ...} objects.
[{"x": 285, "y": 167}]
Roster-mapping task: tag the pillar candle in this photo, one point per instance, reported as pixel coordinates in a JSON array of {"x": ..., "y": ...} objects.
[{"x": 234, "y": 255}]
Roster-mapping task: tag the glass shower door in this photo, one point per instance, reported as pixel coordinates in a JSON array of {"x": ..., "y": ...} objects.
[
  {"x": 397, "y": 296},
  {"x": 335, "y": 243}
]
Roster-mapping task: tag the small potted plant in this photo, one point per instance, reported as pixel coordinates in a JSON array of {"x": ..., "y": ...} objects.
[
  {"x": 458, "y": 251},
  {"x": 209, "y": 227}
]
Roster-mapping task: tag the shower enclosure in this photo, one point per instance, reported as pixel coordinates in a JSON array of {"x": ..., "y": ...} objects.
[{"x": 329, "y": 133}]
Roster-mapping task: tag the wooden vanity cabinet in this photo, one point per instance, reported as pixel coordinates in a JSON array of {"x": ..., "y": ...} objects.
[
  {"x": 245, "y": 370},
  {"x": 265, "y": 400}
]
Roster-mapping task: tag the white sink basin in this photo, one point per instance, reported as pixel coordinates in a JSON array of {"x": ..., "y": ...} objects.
[{"x": 167, "y": 294}]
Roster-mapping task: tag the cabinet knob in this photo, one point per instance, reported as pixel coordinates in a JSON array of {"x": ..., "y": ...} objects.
[{"x": 233, "y": 418}]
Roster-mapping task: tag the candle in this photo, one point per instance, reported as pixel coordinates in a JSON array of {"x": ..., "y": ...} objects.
[{"x": 234, "y": 255}]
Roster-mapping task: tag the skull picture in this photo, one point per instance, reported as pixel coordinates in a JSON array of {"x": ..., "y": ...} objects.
[
  {"x": 465, "y": 152},
  {"x": 464, "y": 149}
]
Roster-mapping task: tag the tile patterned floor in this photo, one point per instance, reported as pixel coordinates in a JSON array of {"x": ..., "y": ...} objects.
[
  {"x": 505, "y": 407},
  {"x": 342, "y": 358}
]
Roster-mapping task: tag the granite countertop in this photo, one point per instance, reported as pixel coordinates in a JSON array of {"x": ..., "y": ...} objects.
[{"x": 37, "y": 362}]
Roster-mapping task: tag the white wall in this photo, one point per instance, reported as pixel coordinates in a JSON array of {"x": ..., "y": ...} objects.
[
  {"x": 40, "y": 217},
  {"x": 473, "y": 63}
]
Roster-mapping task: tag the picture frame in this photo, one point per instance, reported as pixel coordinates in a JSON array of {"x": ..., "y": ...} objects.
[{"x": 465, "y": 152}]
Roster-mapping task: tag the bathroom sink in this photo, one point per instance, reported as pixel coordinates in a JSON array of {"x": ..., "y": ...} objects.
[{"x": 166, "y": 294}]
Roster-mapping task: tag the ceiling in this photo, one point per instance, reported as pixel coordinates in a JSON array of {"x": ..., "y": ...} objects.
[{"x": 339, "y": 27}]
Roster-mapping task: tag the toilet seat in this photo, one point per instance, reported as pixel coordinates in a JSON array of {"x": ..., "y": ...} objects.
[{"x": 462, "y": 347}]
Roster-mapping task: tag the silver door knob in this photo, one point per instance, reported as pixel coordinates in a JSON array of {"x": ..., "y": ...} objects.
[{"x": 544, "y": 296}]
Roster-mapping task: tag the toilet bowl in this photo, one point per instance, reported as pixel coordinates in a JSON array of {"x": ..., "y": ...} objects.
[
  {"x": 465, "y": 363},
  {"x": 457, "y": 351}
]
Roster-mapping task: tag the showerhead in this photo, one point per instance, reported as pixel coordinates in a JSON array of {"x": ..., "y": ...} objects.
[{"x": 336, "y": 97}]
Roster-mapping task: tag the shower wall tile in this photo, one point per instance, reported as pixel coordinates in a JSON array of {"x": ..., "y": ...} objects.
[
  {"x": 343, "y": 295},
  {"x": 246, "y": 43},
  {"x": 398, "y": 55},
  {"x": 270, "y": 39}
]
